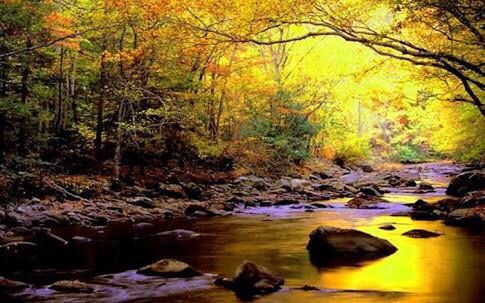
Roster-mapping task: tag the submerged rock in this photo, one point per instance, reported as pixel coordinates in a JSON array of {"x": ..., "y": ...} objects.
[
  {"x": 327, "y": 243},
  {"x": 169, "y": 268},
  {"x": 466, "y": 182},
  {"x": 71, "y": 286},
  {"x": 179, "y": 233},
  {"x": 387, "y": 227},
  {"x": 420, "y": 233},
  {"x": 251, "y": 279}
]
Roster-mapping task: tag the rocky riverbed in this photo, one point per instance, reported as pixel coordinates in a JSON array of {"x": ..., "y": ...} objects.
[{"x": 99, "y": 239}]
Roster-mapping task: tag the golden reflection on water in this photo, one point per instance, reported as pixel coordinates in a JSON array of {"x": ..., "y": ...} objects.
[
  {"x": 424, "y": 266},
  {"x": 435, "y": 270}
]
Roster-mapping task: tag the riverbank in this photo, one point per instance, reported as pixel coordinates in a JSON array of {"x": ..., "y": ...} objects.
[{"x": 142, "y": 223}]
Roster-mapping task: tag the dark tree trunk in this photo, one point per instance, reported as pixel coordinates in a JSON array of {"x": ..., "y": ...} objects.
[
  {"x": 60, "y": 89},
  {"x": 3, "y": 125},
  {"x": 24, "y": 93},
  {"x": 101, "y": 104},
  {"x": 3, "y": 94}
]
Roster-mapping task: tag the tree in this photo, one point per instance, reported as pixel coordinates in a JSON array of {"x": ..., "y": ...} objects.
[{"x": 444, "y": 35}]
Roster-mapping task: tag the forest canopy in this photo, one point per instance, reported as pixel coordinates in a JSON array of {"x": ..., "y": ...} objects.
[{"x": 268, "y": 83}]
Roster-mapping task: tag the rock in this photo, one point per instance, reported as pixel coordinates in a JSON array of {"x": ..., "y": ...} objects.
[
  {"x": 7, "y": 284},
  {"x": 79, "y": 240},
  {"x": 308, "y": 288},
  {"x": 144, "y": 202},
  {"x": 394, "y": 181},
  {"x": 319, "y": 205},
  {"x": 447, "y": 205},
  {"x": 192, "y": 190},
  {"x": 351, "y": 189},
  {"x": 249, "y": 203},
  {"x": 18, "y": 249},
  {"x": 253, "y": 181},
  {"x": 315, "y": 178},
  {"x": 425, "y": 186},
  {"x": 285, "y": 202},
  {"x": 143, "y": 228},
  {"x": 302, "y": 206},
  {"x": 265, "y": 203},
  {"x": 466, "y": 182},
  {"x": 401, "y": 214},
  {"x": 420, "y": 233},
  {"x": 179, "y": 233},
  {"x": 410, "y": 183},
  {"x": 224, "y": 282},
  {"x": 169, "y": 268},
  {"x": 370, "y": 191},
  {"x": 323, "y": 175},
  {"x": 251, "y": 279},
  {"x": 367, "y": 168},
  {"x": 329, "y": 243},
  {"x": 421, "y": 205},
  {"x": 299, "y": 185},
  {"x": 283, "y": 183},
  {"x": 71, "y": 286},
  {"x": 424, "y": 215},
  {"x": 473, "y": 199},
  {"x": 198, "y": 211},
  {"x": 20, "y": 230},
  {"x": 172, "y": 190},
  {"x": 467, "y": 217},
  {"x": 46, "y": 238},
  {"x": 387, "y": 227},
  {"x": 365, "y": 202},
  {"x": 351, "y": 177}
]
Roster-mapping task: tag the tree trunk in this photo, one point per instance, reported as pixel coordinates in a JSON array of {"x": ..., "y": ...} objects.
[
  {"x": 119, "y": 137},
  {"x": 71, "y": 89},
  {"x": 24, "y": 92},
  {"x": 60, "y": 88},
  {"x": 3, "y": 125},
  {"x": 101, "y": 103},
  {"x": 3, "y": 94}
]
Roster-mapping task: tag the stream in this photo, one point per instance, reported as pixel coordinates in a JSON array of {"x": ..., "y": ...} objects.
[{"x": 449, "y": 268}]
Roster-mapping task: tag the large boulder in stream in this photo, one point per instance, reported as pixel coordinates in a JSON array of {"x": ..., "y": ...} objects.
[
  {"x": 467, "y": 217},
  {"x": 329, "y": 245},
  {"x": 466, "y": 182},
  {"x": 251, "y": 279},
  {"x": 169, "y": 268}
]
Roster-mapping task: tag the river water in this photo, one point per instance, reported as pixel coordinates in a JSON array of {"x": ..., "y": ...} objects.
[{"x": 449, "y": 268}]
